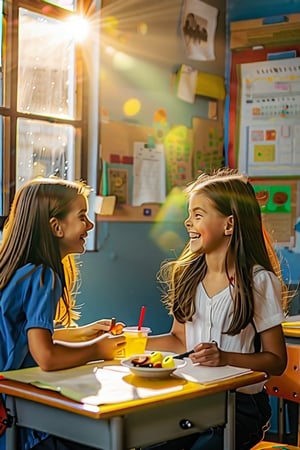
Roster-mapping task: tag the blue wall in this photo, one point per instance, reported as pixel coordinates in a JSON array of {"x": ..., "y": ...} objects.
[{"x": 121, "y": 277}]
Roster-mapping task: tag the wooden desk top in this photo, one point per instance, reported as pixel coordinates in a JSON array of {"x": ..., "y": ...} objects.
[
  {"x": 291, "y": 332},
  {"x": 291, "y": 328},
  {"x": 190, "y": 390}
]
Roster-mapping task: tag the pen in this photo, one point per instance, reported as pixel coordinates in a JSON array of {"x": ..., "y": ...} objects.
[{"x": 184, "y": 355}]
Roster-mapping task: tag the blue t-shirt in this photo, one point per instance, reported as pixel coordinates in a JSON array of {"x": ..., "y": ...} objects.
[{"x": 28, "y": 301}]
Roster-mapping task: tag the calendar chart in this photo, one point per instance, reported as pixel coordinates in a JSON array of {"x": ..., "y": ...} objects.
[{"x": 269, "y": 138}]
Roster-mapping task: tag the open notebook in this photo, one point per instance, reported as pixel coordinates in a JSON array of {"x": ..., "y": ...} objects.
[
  {"x": 205, "y": 375},
  {"x": 114, "y": 384}
]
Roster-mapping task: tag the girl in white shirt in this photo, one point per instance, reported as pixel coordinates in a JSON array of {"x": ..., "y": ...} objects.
[{"x": 226, "y": 296}]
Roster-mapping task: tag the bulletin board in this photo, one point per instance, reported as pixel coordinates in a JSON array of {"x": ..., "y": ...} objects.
[
  {"x": 117, "y": 145},
  {"x": 252, "y": 41},
  {"x": 186, "y": 152},
  {"x": 270, "y": 118},
  {"x": 208, "y": 144},
  {"x": 277, "y": 198},
  {"x": 118, "y": 138}
]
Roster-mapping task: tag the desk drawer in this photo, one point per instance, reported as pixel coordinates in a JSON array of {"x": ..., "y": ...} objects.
[{"x": 164, "y": 422}]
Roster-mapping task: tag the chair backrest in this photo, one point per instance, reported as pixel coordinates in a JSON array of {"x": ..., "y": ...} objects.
[{"x": 287, "y": 385}]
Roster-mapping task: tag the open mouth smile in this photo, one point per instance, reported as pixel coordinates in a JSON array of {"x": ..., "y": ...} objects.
[{"x": 194, "y": 235}]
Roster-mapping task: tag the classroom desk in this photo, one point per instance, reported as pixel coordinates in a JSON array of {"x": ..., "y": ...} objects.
[
  {"x": 130, "y": 424},
  {"x": 292, "y": 335},
  {"x": 292, "y": 332}
]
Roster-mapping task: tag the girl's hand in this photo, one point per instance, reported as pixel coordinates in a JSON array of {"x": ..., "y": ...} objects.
[
  {"x": 95, "y": 329},
  {"x": 55, "y": 356},
  {"x": 208, "y": 354},
  {"x": 86, "y": 332},
  {"x": 102, "y": 326},
  {"x": 110, "y": 346}
]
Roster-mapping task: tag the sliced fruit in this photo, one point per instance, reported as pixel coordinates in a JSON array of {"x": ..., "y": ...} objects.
[
  {"x": 117, "y": 329},
  {"x": 157, "y": 365},
  {"x": 168, "y": 362},
  {"x": 156, "y": 357},
  {"x": 141, "y": 361}
]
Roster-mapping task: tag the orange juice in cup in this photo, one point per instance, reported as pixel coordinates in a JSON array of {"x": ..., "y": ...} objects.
[{"x": 136, "y": 340}]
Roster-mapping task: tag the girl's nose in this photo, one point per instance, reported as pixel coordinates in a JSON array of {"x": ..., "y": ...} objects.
[
  {"x": 89, "y": 225},
  {"x": 187, "y": 222}
]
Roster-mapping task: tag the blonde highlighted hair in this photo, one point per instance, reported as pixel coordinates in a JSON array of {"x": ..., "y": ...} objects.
[
  {"x": 232, "y": 195},
  {"x": 28, "y": 238}
]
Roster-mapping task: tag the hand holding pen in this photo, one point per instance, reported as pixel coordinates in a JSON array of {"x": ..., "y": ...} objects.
[{"x": 207, "y": 354}]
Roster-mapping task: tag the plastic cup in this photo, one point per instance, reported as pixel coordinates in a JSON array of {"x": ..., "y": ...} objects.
[{"x": 136, "y": 340}]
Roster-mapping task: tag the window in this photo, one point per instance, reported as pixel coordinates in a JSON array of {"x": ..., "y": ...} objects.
[
  {"x": 67, "y": 4},
  {"x": 44, "y": 87}
]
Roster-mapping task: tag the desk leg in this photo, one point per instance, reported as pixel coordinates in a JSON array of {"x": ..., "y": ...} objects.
[
  {"x": 229, "y": 431},
  {"x": 11, "y": 433},
  {"x": 281, "y": 416},
  {"x": 117, "y": 433},
  {"x": 298, "y": 436}
]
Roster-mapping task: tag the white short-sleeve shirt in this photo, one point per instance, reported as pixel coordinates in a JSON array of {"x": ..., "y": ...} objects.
[{"x": 213, "y": 315}]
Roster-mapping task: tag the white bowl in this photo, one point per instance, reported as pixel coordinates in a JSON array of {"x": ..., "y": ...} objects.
[{"x": 151, "y": 372}]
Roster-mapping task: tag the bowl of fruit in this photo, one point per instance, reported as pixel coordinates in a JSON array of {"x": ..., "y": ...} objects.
[{"x": 153, "y": 364}]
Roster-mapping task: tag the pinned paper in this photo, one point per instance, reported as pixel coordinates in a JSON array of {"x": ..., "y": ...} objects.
[
  {"x": 199, "y": 21},
  {"x": 187, "y": 80},
  {"x": 149, "y": 174},
  {"x": 192, "y": 83}
]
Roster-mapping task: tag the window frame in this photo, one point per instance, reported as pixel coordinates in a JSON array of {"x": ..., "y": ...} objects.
[{"x": 88, "y": 140}]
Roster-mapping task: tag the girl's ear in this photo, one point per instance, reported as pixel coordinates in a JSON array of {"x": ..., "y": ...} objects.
[
  {"x": 228, "y": 229},
  {"x": 55, "y": 227}
]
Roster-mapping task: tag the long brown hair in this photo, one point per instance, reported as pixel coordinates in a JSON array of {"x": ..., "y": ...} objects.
[
  {"x": 27, "y": 236},
  {"x": 232, "y": 194}
]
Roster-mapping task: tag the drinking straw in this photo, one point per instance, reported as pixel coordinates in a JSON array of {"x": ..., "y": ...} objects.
[{"x": 141, "y": 319}]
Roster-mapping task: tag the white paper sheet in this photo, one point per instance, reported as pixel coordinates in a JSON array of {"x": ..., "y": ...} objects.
[
  {"x": 187, "y": 83},
  {"x": 149, "y": 174},
  {"x": 205, "y": 374}
]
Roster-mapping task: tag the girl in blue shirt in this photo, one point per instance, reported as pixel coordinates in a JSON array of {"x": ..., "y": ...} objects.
[{"x": 47, "y": 225}]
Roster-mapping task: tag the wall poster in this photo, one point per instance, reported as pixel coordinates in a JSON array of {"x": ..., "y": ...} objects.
[
  {"x": 269, "y": 143},
  {"x": 199, "y": 22}
]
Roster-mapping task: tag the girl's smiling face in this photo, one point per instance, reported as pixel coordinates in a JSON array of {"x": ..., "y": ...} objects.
[
  {"x": 208, "y": 229},
  {"x": 73, "y": 229}
]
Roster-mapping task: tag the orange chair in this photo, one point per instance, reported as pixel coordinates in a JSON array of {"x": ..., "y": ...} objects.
[
  {"x": 273, "y": 445},
  {"x": 285, "y": 387}
]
